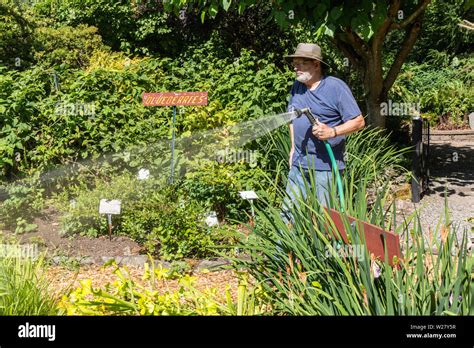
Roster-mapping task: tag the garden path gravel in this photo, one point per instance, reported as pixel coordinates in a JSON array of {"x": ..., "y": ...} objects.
[{"x": 452, "y": 179}]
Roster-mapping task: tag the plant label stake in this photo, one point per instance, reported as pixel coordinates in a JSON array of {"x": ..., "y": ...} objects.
[
  {"x": 249, "y": 196},
  {"x": 174, "y": 99},
  {"x": 110, "y": 208}
]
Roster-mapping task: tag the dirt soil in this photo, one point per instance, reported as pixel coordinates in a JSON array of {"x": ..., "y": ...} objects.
[{"x": 47, "y": 237}]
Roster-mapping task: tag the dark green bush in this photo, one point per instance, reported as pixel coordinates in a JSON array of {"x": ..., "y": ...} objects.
[{"x": 170, "y": 228}]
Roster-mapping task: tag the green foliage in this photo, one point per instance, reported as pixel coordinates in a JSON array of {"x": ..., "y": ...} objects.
[
  {"x": 22, "y": 226},
  {"x": 23, "y": 289},
  {"x": 442, "y": 87},
  {"x": 304, "y": 273},
  {"x": 25, "y": 201},
  {"x": 169, "y": 227},
  {"x": 66, "y": 45},
  {"x": 130, "y": 26},
  {"x": 251, "y": 300},
  {"x": 247, "y": 86},
  {"x": 370, "y": 156},
  {"x": 126, "y": 297},
  {"x": 441, "y": 32},
  {"x": 16, "y": 37},
  {"x": 53, "y": 128},
  {"x": 215, "y": 187},
  {"x": 364, "y": 17}
]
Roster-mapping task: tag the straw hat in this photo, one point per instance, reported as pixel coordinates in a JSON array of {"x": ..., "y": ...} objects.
[{"x": 307, "y": 50}]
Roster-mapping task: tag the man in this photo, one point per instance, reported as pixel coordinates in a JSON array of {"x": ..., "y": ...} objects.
[{"x": 332, "y": 102}]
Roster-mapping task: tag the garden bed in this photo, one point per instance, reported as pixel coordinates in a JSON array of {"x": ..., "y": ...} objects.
[
  {"x": 47, "y": 237},
  {"x": 63, "y": 279}
]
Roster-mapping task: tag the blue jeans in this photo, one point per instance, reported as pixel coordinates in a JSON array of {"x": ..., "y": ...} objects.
[{"x": 295, "y": 188}]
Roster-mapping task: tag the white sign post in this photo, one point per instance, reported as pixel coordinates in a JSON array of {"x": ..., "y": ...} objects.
[
  {"x": 249, "y": 196},
  {"x": 110, "y": 208}
]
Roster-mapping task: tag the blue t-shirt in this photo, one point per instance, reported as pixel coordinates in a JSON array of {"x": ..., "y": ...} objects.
[{"x": 333, "y": 103}]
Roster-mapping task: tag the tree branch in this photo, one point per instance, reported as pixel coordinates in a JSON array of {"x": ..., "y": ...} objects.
[
  {"x": 418, "y": 11},
  {"x": 408, "y": 43},
  {"x": 351, "y": 38},
  {"x": 378, "y": 38},
  {"x": 349, "y": 52}
]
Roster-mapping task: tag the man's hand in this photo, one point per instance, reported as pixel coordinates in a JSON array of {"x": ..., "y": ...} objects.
[{"x": 322, "y": 131}]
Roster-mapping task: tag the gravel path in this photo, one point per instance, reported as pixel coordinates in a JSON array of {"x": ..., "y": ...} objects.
[{"x": 451, "y": 173}]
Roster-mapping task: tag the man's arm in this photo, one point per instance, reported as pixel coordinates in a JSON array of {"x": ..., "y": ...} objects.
[
  {"x": 324, "y": 132},
  {"x": 350, "y": 126}
]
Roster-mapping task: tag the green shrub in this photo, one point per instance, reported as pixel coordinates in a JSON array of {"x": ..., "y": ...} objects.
[
  {"x": 443, "y": 90},
  {"x": 25, "y": 202},
  {"x": 151, "y": 213},
  {"x": 217, "y": 185},
  {"x": 66, "y": 45},
  {"x": 169, "y": 226}
]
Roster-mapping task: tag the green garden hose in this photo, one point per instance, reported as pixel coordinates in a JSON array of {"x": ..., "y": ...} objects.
[{"x": 313, "y": 121}]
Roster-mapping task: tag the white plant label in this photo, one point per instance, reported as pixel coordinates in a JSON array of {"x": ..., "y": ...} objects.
[
  {"x": 109, "y": 207},
  {"x": 248, "y": 194}
]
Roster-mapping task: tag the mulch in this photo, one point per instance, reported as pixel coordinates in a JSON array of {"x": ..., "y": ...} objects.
[{"x": 63, "y": 279}]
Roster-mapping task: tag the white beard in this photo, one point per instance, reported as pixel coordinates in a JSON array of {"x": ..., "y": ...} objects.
[{"x": 304, "y": 77}]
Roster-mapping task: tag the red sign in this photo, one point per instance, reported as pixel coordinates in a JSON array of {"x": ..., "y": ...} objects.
[
  {"x": 374, "y": 237},
  {"x": 174, "y": 98}
]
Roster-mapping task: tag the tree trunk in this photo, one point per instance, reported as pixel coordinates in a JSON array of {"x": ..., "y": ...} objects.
[
  {"x": 373, "y": 87},
  {"x": 366, "y": 56},
  {"x": 375, "y": 118}
]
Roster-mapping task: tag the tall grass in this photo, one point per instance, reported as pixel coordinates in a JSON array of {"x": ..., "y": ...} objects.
[
  {"x": 306, "y": 270},
  {"x": 23, "y": 289},
  {"x": 304, "y": 273}
]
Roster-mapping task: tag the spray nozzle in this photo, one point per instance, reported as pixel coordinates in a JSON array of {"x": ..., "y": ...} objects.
[{"x": 307, "y": 112}]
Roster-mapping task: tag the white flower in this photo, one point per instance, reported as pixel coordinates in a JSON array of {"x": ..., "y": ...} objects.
[
  {"x": 376, "y": 270},
  {"x": 72, "y": 203},
  {"x": 211, "y": 219},
  {"x": 143, "y": 174}
]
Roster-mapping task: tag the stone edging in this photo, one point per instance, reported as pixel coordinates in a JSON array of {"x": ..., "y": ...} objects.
[
  {"x": 457, "y": 135},
  {"x": 452, "y": 132},
  {"x": 139, "y": 261}
]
